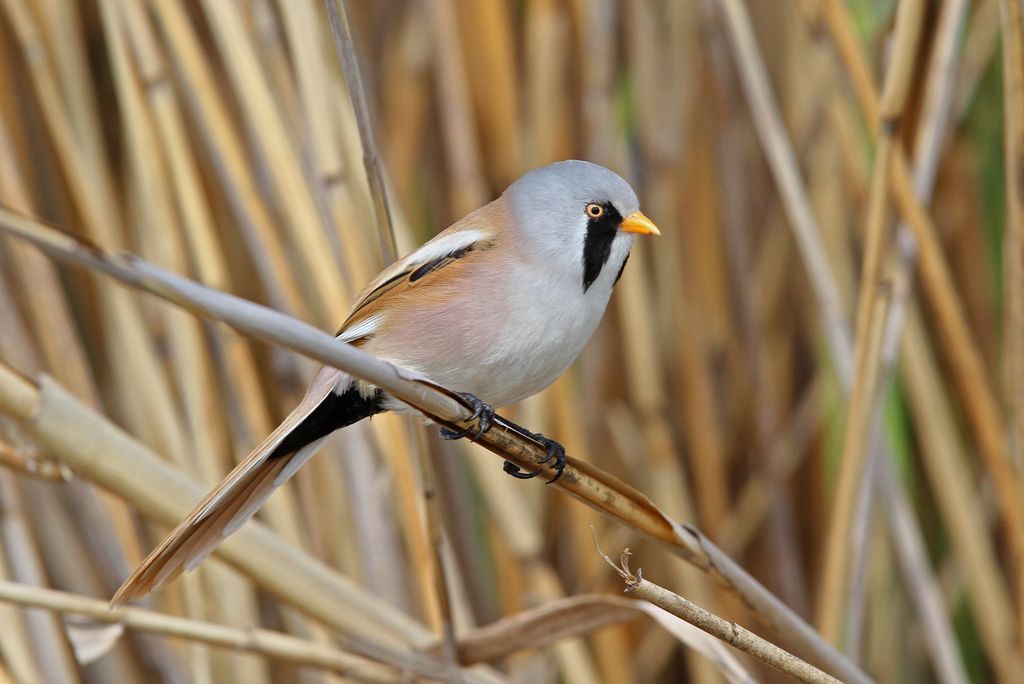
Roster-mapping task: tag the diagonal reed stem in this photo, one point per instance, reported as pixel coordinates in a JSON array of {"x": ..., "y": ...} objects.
[{"x": 346, "y": 50}]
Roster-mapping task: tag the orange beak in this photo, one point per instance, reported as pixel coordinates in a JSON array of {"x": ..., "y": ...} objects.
[{"x": 638, "y": 223}]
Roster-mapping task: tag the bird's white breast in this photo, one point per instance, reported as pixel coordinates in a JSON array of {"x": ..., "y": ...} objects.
[{"x": 502, "y": 334}]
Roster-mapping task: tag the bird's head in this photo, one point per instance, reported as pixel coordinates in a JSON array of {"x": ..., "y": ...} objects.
[{"x": 580, "y": 218}]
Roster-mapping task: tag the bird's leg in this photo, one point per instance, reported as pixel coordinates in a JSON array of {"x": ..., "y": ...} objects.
[
  {"x": 480, "y": 410},
  {"x": 556, "y": 452}
]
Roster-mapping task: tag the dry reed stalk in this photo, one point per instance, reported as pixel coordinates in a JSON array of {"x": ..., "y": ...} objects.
[
  {"x": 431, "y": 567},
  {"x": 657, "y": 49},
  {"x": 56, "y": 420},
  {"x": 17, "y": 649},
  {"x": 543, "y": 625},
  {"x": 729, "y": 632},
  {"x": 320, "y": 593},
  {"x": 910, "y": 551},
  {"x": 60, "y": 29},
  {"x": 783, "y": 164},
  {"x": 264, "y": 642},
  {"x": 547, "y": 121},
  {"x": 585, "y": 482},
  {"x": 25, "y": 463},
  {"x": 205, "y": 254},
  {"x": 149, "y": 205},
  {"x": 48, "y": 309},
  {"x": 665, "y": 476},
  {"x": 920, "y": 581},
  {"x": 570, "y": 616},
  {"x": 404, "y": 455},
  {"x": 486, "y": 29},
  {"x": 610, "y": 655},
  {"x": 782, "y": 458},
  {"x": 371, "y": 161},
  {"x": 104, "y": 518},
  {"x": 462, "y": 155},
  {"x": 979, "y": 47},
  {"x": 316, "y": 131},
  {"x": 209, "y": 114},
  {"x": 92, "y": 195},
  {"x": 1013, "y": 250},
  {"x": 436, "y": 544},
  {"x": 707, "y": 444},
  {"x": 864, "y": 509},
  {"x": 276, "y": 151},
  {"x": 872, "y": 303},
  {"x": 404, "y": 93},
  {"x": 946, "y": 468},
  {"x": 540, "y": 584},
  {"x": 204, "y": 251},
  {"x": 48, "y": 648},
  {"x": 937, "y": 111},
  {"x": 931, "y": 135},
  {"x": 964, "y": 356}
]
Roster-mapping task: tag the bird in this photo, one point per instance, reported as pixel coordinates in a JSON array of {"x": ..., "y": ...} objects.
[{"x": 495, "y": 307}]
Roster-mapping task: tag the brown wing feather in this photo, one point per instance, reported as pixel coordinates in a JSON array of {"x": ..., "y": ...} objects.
[{"x": 416, "y": 271}]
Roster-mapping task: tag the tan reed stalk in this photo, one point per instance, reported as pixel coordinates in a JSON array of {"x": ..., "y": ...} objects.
[
  {"x": 261, "y": 641},
  {"x": 208, "y": 110},
  {"x": 964, "y": 356},
  {"x": 255, "y": 551},
  {"x": 462, "y": 154},
  {"x": 953, "y": 492},
  {"x": 947, "y": 470},
  {"x": 1013, "y": 248},
  {"x": 371, "y": 161},
  {"x": 729, "y": 632},
  {"x": 873, "y": 293},
  {"x": 322, "y": 280}
]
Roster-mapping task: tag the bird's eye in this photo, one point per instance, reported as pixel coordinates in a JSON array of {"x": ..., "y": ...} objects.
[{"x": 595, "y": 210}]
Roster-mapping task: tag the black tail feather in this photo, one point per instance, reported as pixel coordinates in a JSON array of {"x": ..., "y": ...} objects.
[{"x": 334, "y": 412}]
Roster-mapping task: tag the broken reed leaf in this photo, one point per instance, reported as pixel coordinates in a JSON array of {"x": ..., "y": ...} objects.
[{"x": 542, "y": 625}]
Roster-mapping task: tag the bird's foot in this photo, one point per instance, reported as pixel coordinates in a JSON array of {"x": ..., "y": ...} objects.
[
  {"x": 482, "y": 413},
  {"x": 556, "y": 453}
]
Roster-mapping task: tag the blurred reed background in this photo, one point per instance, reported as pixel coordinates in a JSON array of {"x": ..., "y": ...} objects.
[{"x": 820, "y": 363}]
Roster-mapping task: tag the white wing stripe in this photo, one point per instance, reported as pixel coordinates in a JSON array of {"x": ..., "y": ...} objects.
[
  {"x": 439, "y": 247},
  {"x": 363, "y": 328}
]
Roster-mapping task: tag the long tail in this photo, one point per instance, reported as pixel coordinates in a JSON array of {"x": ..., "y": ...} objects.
[{"x": 234, "y": 501}]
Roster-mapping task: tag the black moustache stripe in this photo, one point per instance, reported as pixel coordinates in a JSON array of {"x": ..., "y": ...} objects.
[{"x": 597, "y": 246}]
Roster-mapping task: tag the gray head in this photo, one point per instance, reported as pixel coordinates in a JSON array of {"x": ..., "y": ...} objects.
[{"x": 579, "y": 217}]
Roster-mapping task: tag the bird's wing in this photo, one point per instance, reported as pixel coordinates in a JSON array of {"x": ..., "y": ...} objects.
[
  {"x": 232, "y": 502},
  {"x": 460, "y": 242}
]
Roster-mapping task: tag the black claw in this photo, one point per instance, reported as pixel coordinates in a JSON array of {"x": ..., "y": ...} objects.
[
  {"x": 517, "y": 472},
  {"x": 481, "y": 411},
  {"x": 556, "y": 452}
]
